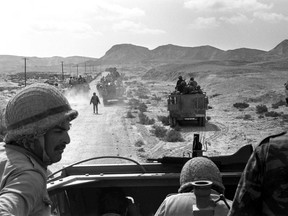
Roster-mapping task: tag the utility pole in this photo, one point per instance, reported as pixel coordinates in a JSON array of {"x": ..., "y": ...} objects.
[
  {"x": 62, "y": 70},
  {"x": 25, "y": 59},
  {"x": 77, "y": 70}
]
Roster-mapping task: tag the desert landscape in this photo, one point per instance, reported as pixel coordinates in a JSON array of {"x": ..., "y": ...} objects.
[{"x": 246, "y": 102}]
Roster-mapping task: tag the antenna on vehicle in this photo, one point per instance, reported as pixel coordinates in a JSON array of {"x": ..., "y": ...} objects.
[{"x": 197, "y": 147}]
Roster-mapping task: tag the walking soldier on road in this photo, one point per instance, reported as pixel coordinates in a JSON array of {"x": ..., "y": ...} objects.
[{"x": 95, "y": 100}]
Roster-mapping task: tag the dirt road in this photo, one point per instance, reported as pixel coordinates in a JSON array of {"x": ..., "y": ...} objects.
[{"x": 94, "y": 135}]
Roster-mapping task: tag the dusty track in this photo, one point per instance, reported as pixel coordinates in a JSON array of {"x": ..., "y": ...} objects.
[{"x": 92, "y": 135}]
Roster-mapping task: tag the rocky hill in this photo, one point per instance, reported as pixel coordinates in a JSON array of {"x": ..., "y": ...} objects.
[{"x": 201, "y": 58}]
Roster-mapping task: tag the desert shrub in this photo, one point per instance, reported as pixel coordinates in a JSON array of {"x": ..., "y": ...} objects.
[
  {"x": 129, "y": 114},
  {"x": 164, "y": 119},
  {"x": 141, "y": 149},
  {"x": 142, "y": 92},
  {"x": 142, "y": 107},
  {"x": 145, "y": 120},
  {"x": 133, "y": 103},
  {"x": 154, "y": 97},
  {"x": 240, "y": 105},
  {"x": 285, "y": 117},
  {"x": 129, "y": 93},
  {"x": 272, "y": 114},
  {"x": 279, "y": 103},
  {"x": 174, "y": 136},
  {"x": 247, "y": 117},
  {"x": 143, "y": 96},
  {"x": 214, "y": 95},
  {"x": 261, "y": 109},
  {"x": 159, "y": 131},
  {"x": 139, "y": 143}
]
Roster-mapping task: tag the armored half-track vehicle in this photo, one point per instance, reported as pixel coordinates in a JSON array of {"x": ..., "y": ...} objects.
[
  {"x": 78, "y": 86},
  {"x": 110, "y": 87},
  {"x": 191, "y": 107},
  {"x": 76, "y": 191}
]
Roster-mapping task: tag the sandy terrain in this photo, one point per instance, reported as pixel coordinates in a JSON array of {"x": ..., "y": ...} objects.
[{"x": 227, "y": 128}]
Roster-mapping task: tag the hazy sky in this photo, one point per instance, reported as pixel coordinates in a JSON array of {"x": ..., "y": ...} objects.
[{"x": 47, "y": 28}]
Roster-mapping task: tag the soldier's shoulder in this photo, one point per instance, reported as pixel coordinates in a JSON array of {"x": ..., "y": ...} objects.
[{"x": 268, "y": 138}]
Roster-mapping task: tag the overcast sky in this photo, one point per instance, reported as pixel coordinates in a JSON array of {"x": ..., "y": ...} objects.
[{"x": 47, "y": 28}]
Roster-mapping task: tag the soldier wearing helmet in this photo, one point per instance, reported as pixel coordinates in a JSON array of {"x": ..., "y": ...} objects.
[
  {"x": 180, "y": 85},
  {"x": 184, "y": 202},
  {"x": 37, "y": 119}
]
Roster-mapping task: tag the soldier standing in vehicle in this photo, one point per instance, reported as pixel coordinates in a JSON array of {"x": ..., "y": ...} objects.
[
  {"x": 95, "y": 101},
  {"x": 180, "y": 85},
  {"x": 37, "y": 120}
]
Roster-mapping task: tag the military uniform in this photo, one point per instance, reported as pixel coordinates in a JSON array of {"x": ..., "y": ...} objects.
[
  {"x": 263, "y": 187},
  {"x": 182, "y": 204}
]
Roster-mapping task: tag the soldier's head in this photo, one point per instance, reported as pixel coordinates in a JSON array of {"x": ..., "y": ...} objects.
[
  {"x": 197, "y": 169},
  {"x": 180, "y": 77},
  {"x": 38, "y": 119}
]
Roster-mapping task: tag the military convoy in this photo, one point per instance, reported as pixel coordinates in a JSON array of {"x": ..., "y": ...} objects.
[
  {"x": 76, "y": 191},
  {"x": 110, "y": 87}
]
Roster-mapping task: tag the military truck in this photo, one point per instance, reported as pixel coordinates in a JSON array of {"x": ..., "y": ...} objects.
[
  {"x": 190, "y": 107},
  {"x": 76, "y": 191}
]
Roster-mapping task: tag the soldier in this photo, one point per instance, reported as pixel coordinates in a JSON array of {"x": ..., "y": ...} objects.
[
  {"x": 183, "y": 203},
  {"x": 37, "y": 120},
  {"x": 180, "y": 85},
  {"x": 262, "y": 189},
  {"x": 95, "y": 100}
]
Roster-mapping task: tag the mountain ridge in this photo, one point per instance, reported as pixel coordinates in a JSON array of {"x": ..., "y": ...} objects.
[{"x": 133, "y": 54}]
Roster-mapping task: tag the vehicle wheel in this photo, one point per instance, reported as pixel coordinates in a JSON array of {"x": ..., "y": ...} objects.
[
  {"x": 201, "y": 121},
  {"x": 172, "y": 121}
]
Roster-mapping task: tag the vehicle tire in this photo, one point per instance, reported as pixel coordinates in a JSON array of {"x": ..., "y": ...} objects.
[
  {"x": 172, "y": 121},
  {"x": 201, "y": 121}
]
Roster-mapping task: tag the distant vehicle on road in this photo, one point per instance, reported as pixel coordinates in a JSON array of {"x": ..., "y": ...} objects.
[{"x": 110, "y": 86}]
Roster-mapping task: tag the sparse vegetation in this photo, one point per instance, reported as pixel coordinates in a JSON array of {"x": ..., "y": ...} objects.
[
  {"x": 142, "y": 107},
  {"x": 129, "y": 114},
  {"x": 134, "y": 103},
  {"x": 139, "y": 143},
  {"x": 174, "y": 136},
  {"x": 260, "y": 109},
  {"x": 241, "y": 105},
  {"x": 154, "y": 97},
  {"x": 159, "y": 131},
  {"x": 214, "y": 95},
  {"x": 279, "y": 103},
  {"x": 145, "y": 120},
  {"x": 272, "y": 114},
  {"x": 164, "y": 120}
]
